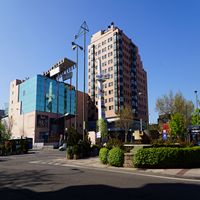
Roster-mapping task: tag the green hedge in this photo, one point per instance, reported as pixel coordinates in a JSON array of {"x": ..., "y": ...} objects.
[
  {"x": 167, "y": 157},
  {"x": 103, "y": 155},
  {"x": 116, "y": 157}
]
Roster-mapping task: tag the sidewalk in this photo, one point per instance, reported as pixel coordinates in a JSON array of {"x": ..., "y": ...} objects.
[{"x": 96, "y": 163}]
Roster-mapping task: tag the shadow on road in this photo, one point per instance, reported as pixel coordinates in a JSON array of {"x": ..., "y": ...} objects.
[{"x": 147, "y": 192}]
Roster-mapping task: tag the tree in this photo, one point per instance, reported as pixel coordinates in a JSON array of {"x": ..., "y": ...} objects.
[
  {"x": 171, "y": 104},
  {"x": 177, "y": 125},
  {"x": 5, "y": 134},
  {"x": 102, "y": 127},
  {"x": 164, "y": 105},
  {"x": 126, "y": 119},
  {"x": 195, "y": 117}
]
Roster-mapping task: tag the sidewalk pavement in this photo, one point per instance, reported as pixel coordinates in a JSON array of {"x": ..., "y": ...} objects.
[{"x": 96, "y": 163}]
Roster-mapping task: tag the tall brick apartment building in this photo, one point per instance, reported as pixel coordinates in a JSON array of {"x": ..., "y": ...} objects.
[{"x": 127, "y": 84}]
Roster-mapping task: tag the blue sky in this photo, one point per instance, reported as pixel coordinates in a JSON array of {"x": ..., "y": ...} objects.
[{"x": 35, "y": 34}]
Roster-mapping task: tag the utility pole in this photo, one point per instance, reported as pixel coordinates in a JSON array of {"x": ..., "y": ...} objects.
[
  {"x": 76, "y": 46},
  {"x": 83, "y": 31},
  {"x": 197, "y": 105}
]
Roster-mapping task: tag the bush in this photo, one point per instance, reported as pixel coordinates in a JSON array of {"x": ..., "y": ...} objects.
[
  {"x": 114, "y": 142},
  {"x": 95, "y": 150},
  {"x": 103, "y": 155},
  {"x": 85, "y": 148},
  {"x": 72, "y": 137},
  {"x": 69, "y": 152},
  {"x": 167, "y": 157},
  {"x": 116, "y": 157}
]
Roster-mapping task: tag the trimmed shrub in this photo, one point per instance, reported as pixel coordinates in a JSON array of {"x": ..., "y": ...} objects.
[
  {"x": 116, "y": 157},
  {"x": 103, "y": 155},
  {"x": 167, "y": 157}
]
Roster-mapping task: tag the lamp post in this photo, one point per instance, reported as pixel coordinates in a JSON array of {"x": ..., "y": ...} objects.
[
  {"x": 197, "y": 105},
  {"x": 196, "y": 98},
  {"x": 76, "y": 46},
  {"x": 82, "y": 31}
]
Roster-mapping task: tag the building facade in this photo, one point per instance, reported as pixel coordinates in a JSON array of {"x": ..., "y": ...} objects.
[
  {"x": 127, "y": 84},
  {"x": 37, "y": 107}
]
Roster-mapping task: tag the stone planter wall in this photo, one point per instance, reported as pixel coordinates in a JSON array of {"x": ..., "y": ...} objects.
[{"x": 128, "y": 160}]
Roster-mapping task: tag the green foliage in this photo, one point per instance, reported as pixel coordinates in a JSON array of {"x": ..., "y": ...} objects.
[
  {"x": 116, "y": 157},
  {"x": 76, "y": 149},
  {"x": 15, "y": 146},
  {"x": 114, "y": 142},
  {"x": 85, "y": 148},
  {"x": 72, "y": 137},
  {"x": 177, "y": 125},
  {"x": 103, "y": 155},
  {"x": 126, "y": 120},
  {"x": 196, "y": 117},
  {"x": 102, "y": 127},
  {"x": 171, "y": 104},
  {"x": 69, "y": 152},
  {"x": 166, "y": 157},
  {"x": 4, "y": 133}
]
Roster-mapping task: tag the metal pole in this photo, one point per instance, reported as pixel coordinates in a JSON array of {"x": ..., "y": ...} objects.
[
  {"x": 76, "y": 88},
  {"x": 197, "y": 106},
  {"x": 84, "y": 86}
]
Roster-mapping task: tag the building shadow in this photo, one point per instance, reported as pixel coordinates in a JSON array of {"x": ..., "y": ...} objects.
[{"x": 97, "y": 192}]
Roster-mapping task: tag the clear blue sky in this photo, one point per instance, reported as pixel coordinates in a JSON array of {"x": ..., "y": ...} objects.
[{"x": 35, "y": 34}]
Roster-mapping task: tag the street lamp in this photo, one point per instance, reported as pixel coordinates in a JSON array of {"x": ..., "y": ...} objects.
[
  {"x": 76, "y": 46},
  {"x": 197, "y": 105},
  {"x": 196, "y": 98},
  {"x": 83, "y": 31}
]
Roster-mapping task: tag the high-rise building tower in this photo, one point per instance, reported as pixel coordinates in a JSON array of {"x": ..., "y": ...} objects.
[{"x": 127, "y": 84}]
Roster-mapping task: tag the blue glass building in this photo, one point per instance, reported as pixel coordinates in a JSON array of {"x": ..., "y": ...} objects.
[
  {"x": 43, "y": 94},
  {"x": 49, "y": 102}
]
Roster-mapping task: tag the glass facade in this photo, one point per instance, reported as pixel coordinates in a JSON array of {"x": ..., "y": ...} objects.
[{"x": 43, "y": 94}]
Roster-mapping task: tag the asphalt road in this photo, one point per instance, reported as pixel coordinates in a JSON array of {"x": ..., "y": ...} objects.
[{"x": 20, "y": 179}]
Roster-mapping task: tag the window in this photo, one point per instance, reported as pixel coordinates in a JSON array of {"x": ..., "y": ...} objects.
[
  {"x": 104, "y": 57},
  {"x": 111, "y": 99},
  {"x": 110, "y": 61},
  {"x": 104, "y": 49},
  {"x": 110, "y": 92},
  {"x": 110, "y": 39},
  {"x": 110, "y": 69},
  {"x": 110, "y": 54},
  {"x": 110, "y": 46},
  {"x": 104, "y": 42},
  {"x": 110, "y": 107},
  {"x": 110, "y": 84}
]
